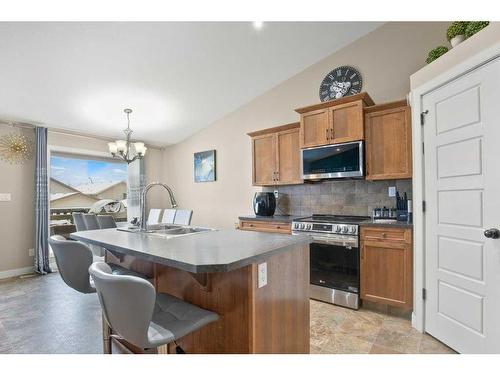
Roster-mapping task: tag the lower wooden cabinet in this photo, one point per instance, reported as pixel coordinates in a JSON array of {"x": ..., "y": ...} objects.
[
  {"x": 266, "y": 226},
  {"x": 386, "y": 270}
]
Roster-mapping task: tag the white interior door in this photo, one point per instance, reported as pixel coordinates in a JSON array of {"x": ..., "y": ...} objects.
[{"x": 462, "y": 193}]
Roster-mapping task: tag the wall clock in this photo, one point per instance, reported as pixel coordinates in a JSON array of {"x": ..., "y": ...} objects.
[{"x": 340, "y": 82}]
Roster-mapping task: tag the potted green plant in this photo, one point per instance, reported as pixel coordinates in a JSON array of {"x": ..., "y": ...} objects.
[
  {"x": 435, "y": 53},
  {"x": 474, "y": 27},
  {"x": 456, "y": 32}
]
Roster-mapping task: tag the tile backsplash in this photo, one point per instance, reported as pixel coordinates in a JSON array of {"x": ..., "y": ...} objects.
[{"x": 341, "y": 197}]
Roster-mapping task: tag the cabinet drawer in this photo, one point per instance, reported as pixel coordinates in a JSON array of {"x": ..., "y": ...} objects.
[
  {"x": 266, "y": 226},
  {"x": 386, "y": 234}
]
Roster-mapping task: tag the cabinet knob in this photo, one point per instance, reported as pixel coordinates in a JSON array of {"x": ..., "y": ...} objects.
[{"x": 384, "y": 235}]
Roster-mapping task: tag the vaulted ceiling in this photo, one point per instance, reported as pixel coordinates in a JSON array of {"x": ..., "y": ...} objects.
[{"x": 177, "y": 77}]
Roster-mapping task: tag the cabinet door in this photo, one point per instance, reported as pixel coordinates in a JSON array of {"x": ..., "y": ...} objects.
[
  {"x": 388, "y": 144},
  {"x": 288, "y": 157},
  {"x": 386, "y": 273},
  {"x": 314, "y": 128},
  {"x": 264, "y": 159},
  {"x": 346, "y": 122}
]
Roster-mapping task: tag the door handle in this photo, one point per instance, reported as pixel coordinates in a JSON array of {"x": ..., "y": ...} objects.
[
  {"x": 492, "y": 233},
  {"x": 327, "y": 137}
]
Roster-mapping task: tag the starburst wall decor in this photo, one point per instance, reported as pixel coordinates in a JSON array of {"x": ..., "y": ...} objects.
[{"x": 16, "y": 148}]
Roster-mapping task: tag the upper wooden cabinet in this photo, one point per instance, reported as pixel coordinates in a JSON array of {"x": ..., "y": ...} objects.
[
  {"x": 388, "y": 141},
  {"x": 335, "y": 121},
  {"x": 276, "y": 156},
  {"x": 264, "y": 155}
]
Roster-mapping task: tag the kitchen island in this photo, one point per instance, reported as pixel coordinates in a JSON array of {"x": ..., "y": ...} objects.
[{"x": 260, "y": 312}]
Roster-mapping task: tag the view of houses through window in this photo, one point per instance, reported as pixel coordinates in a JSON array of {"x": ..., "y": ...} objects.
[{"x": 85, "y": 184}]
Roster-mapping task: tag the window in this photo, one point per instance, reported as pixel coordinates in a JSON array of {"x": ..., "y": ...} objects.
[{"x": 86, "y": 184}]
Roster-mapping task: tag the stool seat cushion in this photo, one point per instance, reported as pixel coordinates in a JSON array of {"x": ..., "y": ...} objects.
[{"x": 174, "y": 318}]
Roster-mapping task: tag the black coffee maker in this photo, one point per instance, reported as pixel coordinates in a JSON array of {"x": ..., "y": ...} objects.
[{"x": 264, "y": 204}]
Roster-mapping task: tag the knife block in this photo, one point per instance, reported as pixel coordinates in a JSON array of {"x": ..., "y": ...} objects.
[{"x": 402, "y": 215}]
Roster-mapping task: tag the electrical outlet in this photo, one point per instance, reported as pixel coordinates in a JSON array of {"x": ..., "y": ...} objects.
[
  {"x": 276, "y": 193},
  {"x": 5, "y": 197},
  {"x": 31, "y": 252},
  {"x": 262, "y": 274},
  {"x": 392, "y": 191}
]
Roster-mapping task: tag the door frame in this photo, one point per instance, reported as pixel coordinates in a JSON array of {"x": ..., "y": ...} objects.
[{"x": 415, "y": 97}]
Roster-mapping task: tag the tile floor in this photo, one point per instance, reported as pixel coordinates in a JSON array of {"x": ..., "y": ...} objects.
[
  {"x": 41, "y": 314},
  {"x": 338, "y": 330}
]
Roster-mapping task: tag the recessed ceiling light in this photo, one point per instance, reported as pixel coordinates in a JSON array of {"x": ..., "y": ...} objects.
[{"x": 258, "y": 25}]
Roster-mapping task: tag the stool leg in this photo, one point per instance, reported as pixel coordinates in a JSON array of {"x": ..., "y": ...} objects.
[
  {"x": 163, "y": 349},
  {"x": 106, "y": 339}
]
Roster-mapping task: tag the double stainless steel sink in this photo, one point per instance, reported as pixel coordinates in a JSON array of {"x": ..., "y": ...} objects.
[{"x": 167, "y": 231}]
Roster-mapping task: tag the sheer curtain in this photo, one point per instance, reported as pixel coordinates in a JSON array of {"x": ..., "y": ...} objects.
[{"x": 41, "y": 203}]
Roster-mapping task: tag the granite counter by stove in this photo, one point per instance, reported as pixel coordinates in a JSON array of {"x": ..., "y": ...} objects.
[{"x": 211, "y": 251}]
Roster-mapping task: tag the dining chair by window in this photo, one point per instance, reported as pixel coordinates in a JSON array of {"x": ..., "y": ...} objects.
[
  {"x": 154, "y": 216},
  {"x": 90, "y": 221},
  {"x": 106, "y": 221},
  {"x": 183, "y": 217},
  {"x": 168, "y": 216},
  {"x": 78, "y": 221}
]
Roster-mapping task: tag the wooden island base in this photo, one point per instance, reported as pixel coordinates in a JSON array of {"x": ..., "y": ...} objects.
[{"x": 271, "y": 319}]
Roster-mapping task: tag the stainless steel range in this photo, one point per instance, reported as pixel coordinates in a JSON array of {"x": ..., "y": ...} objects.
[{"x": 334, "y": 258}]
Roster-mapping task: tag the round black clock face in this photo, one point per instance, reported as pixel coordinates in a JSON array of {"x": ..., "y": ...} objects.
[{"x": 340, "y": 82}]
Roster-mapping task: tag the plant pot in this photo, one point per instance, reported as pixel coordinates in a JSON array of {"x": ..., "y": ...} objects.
[{"x": 457, "y": 40}]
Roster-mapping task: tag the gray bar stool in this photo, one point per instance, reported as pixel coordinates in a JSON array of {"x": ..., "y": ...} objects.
[
  {"x": 78, "y": 221},
  {"x": 142, "y": 317},
  {"x": 73, "y": 259},
  {"x": 106, "y": 221},
  {"x": 90, "y": 221}
]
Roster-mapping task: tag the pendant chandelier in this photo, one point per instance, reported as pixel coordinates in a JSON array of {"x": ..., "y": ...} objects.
[{"x": 127, "y": 150}]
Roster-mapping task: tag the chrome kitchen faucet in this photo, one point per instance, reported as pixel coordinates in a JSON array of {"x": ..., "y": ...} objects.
[{"x": 143, "y": 201}]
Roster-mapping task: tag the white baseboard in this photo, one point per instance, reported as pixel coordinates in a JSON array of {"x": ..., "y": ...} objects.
[{"x": 16, "y": 272}]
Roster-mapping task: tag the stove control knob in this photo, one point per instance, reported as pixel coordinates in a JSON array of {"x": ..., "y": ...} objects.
[
  {"x": 302, "y": 226},
  {"x": 337, "y": 228},
  {"x": 344, "y": 229},
  {"x": 352, "y": 229},
  {"x": 309, "y": 227}
]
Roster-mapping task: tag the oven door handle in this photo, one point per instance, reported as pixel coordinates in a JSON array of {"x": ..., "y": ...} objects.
[{"x": 330, "y": 241}]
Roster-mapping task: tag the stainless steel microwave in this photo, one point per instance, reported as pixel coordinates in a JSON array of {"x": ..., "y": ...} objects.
[{"x": 343, "y": 160}]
